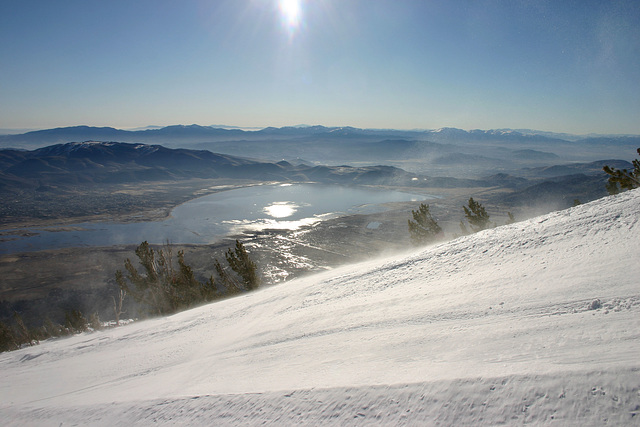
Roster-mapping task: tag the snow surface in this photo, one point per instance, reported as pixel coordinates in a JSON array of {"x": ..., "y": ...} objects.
[{"x": 536, "y": 322}]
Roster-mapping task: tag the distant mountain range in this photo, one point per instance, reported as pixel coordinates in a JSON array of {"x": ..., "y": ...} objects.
[
  {"x": 196, "y": 133},
  {"x": 445, "y": 152},
  {"x": 115, "y": 162}
]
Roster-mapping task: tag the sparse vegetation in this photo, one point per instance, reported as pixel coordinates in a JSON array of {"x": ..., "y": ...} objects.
[
  {"x": 242, "y": 265},
  {"x": 117, "y": 305},
  {"x": 622, "y": 180},
  {"x": 76, "y": 322},
  {"x": 477, "y": 217},
  {"x": 21, "y": 333},
  {"x": 17, "y": 335},
  {"x": 164, "y": 288},
  {"x": 161, "y": 287},
  {"x": 8, "y": 340},
  {"x": 50, "y": 329},
  {"x": 424, "y": 229}
]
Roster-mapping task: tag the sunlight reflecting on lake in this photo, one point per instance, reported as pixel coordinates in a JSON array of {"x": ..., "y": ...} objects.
[
  {"x": 209, "y": 218},
  {"x": 281, "y": 209}
]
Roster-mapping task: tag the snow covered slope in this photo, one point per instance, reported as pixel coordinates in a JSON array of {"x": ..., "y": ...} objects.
[{"x": 535, "y": 322}]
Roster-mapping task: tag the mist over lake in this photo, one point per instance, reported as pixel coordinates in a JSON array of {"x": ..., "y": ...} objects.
[{"x": 209, "y": 218}]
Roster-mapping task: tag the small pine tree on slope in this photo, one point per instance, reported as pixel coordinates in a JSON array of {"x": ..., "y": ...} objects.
[
  {"x": 625, "y": 179},
  {"x": 240, "y": 262},
  {"x": 423, "y": 229},
  {"x": 161, "y": 287},
  {"x": 477, "y": 216}
]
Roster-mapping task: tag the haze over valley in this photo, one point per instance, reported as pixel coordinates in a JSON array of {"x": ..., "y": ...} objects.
[{"x": 97, "y": 199}]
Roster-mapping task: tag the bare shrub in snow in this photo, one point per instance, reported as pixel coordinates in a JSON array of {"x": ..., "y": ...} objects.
[
  {"x": 595, "y": 304},
  {"x": 75, "y": 321},
  {"x": 117, "y": 305}
]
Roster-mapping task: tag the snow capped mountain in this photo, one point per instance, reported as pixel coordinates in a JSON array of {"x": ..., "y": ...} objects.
[
  {"x": 449, "y": 132},
  {"x": 82, "y": 148},
  {"x": 535, "y": 322},
  {"x": 510, "y": 135}
]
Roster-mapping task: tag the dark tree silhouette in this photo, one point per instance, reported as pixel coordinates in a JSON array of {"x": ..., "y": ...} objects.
[
  {"x": 424, "y": 229},
  {"x": 622, "y": 180},
  {"x": 240, "y": 262},
  {"x": 477, "y": 216},
  {"x": 163, "y": 288}
]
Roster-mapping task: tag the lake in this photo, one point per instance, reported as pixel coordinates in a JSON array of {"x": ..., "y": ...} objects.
[{"x": 209, "y": 218}]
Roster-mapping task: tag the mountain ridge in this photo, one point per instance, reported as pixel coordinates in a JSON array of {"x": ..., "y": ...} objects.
[
  {"x": 103, "y": 162},
  {"x": 444, "y": 152},
  {"x": 195, "y": 133}
]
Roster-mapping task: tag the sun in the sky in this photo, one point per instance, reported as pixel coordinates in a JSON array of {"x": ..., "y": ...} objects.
[{"x": 290, "y": 10}]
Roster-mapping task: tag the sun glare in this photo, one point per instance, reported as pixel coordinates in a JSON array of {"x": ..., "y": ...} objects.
[
  {"x": 281, "y": 209},
  {"x": 290, "y": 10}
]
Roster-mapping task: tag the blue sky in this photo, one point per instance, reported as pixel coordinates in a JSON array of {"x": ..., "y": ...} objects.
[{"x": 566, "y": 66}]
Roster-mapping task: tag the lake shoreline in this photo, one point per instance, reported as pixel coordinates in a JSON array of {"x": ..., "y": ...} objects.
[
  {"x": 143, "y": 214},
  {"x": 210, "y": 216}
]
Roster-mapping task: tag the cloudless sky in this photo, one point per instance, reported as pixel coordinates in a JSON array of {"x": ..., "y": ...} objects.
[{"x": 558, "y": 65}]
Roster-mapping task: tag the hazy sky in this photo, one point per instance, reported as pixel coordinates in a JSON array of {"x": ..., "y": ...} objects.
[{"x": 569, "y": 66}]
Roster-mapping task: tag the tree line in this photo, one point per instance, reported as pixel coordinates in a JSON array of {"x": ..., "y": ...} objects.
[
  {"x": 424, "y": 229},
  {"x": 161, "y": 284},
  {"x": 162, "y": 287}
]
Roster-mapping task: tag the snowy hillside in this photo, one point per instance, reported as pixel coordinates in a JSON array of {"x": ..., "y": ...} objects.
[{"x": 535, "y": 322}]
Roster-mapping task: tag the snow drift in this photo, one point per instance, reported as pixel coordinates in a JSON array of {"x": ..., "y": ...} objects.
[{"x": 533, "y": 322}]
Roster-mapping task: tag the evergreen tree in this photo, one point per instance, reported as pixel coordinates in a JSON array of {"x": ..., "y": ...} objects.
[
  {"x": 242, "y": 265},
  {"x": 146, "y": 288},
  {"x": 477, "y": 216},
  {"x": 229, "y": 283},
  {"x": 50, "y": 329},
  {"x": 612, "y": 188},
  {"x": 94, "y": 322},
  {"x": 75, "y": 321},
  {"x": 511, "y": 219},
  {"x": 8, "y": 339},
  {"x": 22, "y": 333},
  {"x": 208, "y": 290},
  {"x": 162, "y": 287},
  {"x": 622, "y": 180},
  {"x": 423, "y": 229},
  {"x": 187, "y": 290}
]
